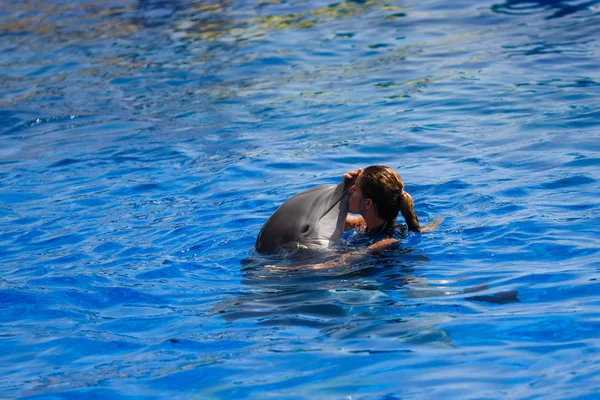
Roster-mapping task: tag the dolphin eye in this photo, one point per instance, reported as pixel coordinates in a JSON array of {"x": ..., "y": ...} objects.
[{"x": 305, "y": 229}]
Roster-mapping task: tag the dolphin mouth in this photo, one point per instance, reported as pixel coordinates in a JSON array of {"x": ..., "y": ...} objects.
[{"x": 344, "y": 194}]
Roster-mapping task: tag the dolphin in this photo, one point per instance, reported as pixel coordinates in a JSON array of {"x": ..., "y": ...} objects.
[{"x": 312, "y": 219}]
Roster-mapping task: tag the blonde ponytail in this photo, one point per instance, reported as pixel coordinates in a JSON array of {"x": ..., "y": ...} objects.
[{"x": 406, "y": 206}]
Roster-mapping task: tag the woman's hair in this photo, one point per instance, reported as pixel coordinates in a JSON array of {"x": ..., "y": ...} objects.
[{"x": 384, "y": 186}]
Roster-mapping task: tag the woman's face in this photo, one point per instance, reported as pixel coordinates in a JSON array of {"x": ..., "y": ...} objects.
[{"x": 355, "y": 201}]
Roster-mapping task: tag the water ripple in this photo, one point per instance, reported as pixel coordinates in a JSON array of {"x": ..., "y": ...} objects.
[{"x": 143, "y": 144}]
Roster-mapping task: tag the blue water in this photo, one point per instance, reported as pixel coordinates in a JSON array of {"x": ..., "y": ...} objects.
[{"x": 143, "y": 145}]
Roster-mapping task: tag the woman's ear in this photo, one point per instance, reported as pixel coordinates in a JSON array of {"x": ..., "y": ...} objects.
[{"x": 368, "y": 204}]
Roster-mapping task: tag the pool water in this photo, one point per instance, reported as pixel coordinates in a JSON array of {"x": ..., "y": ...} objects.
[{"x": 143, "y": 145}]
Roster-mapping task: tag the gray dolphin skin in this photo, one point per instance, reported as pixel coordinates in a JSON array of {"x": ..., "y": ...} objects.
[{"x": 314, "y": 219}]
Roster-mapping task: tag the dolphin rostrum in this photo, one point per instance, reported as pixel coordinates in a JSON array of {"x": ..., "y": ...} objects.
[{"x": 313, "y": 219}]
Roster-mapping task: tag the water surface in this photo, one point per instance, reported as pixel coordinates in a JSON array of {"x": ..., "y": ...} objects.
[{"x": 143, "y": 145}]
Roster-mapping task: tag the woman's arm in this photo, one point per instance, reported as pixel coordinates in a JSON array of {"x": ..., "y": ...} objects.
[
  {"x": 347, "y": 258},
  {"x": 383, "y": 244},
  {"x": 354, "y": 222}
]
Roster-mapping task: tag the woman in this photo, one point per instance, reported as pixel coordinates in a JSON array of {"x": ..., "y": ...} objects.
[{"x": 378, "y": 196}]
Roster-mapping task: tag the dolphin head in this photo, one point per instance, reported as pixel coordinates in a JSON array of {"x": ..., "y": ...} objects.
[{"x": 313, "y": 219}]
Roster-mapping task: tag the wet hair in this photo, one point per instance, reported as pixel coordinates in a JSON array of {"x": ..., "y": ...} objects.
[{"x": 384, "y": 186}]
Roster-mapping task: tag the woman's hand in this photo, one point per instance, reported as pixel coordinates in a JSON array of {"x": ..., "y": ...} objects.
[{"x": 352, "y": 175}]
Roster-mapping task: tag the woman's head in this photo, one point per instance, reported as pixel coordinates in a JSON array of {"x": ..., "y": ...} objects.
[{"x": 381, "y": 188}]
